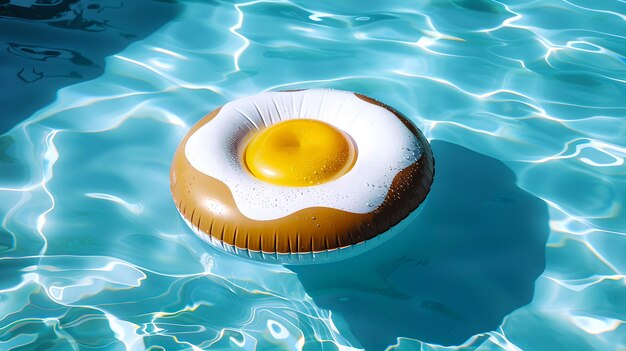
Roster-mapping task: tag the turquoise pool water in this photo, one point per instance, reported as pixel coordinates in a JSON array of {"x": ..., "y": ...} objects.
[{"x": 521, "y": 245}]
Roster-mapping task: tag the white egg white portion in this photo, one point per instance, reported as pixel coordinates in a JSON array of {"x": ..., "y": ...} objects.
[{"x": 385, "y": 146}]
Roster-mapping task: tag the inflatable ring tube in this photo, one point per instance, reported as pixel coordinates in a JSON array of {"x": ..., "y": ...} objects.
[{"x": 229, "y": 207}]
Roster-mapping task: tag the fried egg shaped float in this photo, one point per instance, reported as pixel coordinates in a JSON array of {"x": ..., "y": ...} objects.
[{"x": 300, "y": 176}]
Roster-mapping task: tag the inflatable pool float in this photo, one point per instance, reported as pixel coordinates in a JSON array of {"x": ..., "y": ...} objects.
[{"x": 300, "y": 176}]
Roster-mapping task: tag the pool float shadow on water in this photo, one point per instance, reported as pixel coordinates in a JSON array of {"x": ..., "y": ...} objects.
[{"x": 469, "y": 258}]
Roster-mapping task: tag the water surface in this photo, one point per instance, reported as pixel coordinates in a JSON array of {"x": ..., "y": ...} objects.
[{"x": 520, "y": 246}]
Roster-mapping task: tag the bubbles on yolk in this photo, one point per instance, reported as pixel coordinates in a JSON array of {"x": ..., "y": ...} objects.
[{"x": 300, "y": 152}]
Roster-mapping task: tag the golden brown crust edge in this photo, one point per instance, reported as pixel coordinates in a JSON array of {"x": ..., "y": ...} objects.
[{"x": 312, "y": 229}]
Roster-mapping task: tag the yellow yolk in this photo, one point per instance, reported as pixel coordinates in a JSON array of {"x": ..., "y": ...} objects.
[{"x": 300, "y": 152}]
